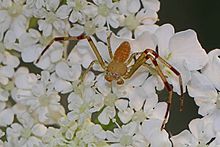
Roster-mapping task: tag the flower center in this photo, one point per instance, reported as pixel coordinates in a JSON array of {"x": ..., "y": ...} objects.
[
  {"x": 44, "y": 100},
  {"x": 126, "y": 140},
  {"x": 103, "y": 10},
  {"x": 51, "y": 17},
  {"x": 131, "y": 22},
  {"x": 139, "y": 116},
  {"x": 26, "y": 132},
  {"x": 110, "y": 99},
  {"x": 79, "y": 5},
  {"x": 83, "y": 107},
  {"x": 90, "y": 28},
  {"x": 15, "y": 10}
]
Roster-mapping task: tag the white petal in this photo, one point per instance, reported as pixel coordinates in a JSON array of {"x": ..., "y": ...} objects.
[
  {"x": 6, "y": 117},
  {"x": 163, "y": 35},
  {"x": 151, "y": 4},
  {"x": 183, "y": 139},
  {"x": 11, "y": 60},
  {"x": 202, "y": 129},
  {"x": 25, "y": 81},
  {"x": 134, "y": 6},
  {"x": 200, "y": 86},
  {"x": 63, "y": 11},
  {"x": 124, "y": 32},
  {"x": 186, "y": 47},
  {"x": 30, "y": 54},
  {"x": 126, "y": 115},
  {"x": 67, "y": 73},
  {"x": 6, "y": 71},
  {"x": 76, "y": 30},
  {"x": 39, "y": 130},
  {"x": 121, "y": 104},
  {"x": 212, "y": 69},
  {"x": 159, "y": 111},
  {"x": 151, "y": 131},
  {"x": 63, "y": 86},
  {"x": 52, "y": 4}
]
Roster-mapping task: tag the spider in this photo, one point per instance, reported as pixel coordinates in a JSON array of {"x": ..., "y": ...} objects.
[{"x": 118, "y": 70}]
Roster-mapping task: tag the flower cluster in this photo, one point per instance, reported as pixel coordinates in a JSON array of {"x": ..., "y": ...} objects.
[{"x": 65, "y": 100}]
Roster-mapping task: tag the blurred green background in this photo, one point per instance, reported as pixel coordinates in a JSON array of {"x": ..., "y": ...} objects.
[{"x": 204, "y": 17}]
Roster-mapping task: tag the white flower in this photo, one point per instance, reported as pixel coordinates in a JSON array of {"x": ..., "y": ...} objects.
[
  {"x": 9, "y": 62},
  {"x": 13, "y": 17},
  {"x": 31, "y": 43},
  {"x": 51, "y": 57},
  {"x": 136, "y": 20},
  {"x": 201, "y": 132},
  {"x": 54, "y": 19},
  {"x": 25, "y": 136},
  {"x": 106, "y": 13},
  {"x": 90, "y": 134},
  {"x": 77, "y": 10},
  {"x": 89, "y": 28},
  {"x": 83, "y": 102},
  {"x": 53, "y": 137},
  {"x": 123, "y": 136}
]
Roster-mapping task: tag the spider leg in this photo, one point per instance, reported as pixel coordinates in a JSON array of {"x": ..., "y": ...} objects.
[
  {"x": 85, "y": 72},
  {"x": 92, "y": 44},
  {"x": 150, "y": 54},
  {"x": 132, "y": 56},
  {"x": 167, "y": 86},
  {"x": 176, "y": 72},
  {"x": 109, "y": 45}
]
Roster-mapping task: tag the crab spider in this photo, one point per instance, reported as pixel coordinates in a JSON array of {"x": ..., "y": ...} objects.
[{"x": 118, "y": 70}]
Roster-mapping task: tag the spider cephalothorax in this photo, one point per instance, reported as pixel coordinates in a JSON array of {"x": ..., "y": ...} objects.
[{"x": 117, "y": 69}]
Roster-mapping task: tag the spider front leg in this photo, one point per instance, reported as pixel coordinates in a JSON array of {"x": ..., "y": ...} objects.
[
  {"x": 150, "y": 54},
  {"x": 176, "y": 72},
  {"x": 167, "y": 86},
  {"x": 91, "y": 43}
]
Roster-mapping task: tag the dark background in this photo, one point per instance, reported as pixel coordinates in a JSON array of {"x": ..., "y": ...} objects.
[
  {"x": 200, "y": 15},
  {"x": 204, "y": 17}
]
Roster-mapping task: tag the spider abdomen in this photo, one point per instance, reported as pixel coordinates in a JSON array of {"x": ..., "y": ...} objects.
[{"x": 122, "y": 52}]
